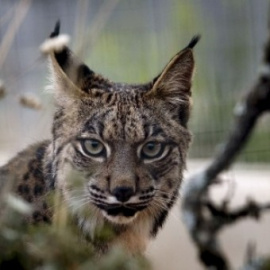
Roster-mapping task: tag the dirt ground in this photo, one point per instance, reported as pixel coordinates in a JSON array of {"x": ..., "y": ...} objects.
[{"x": 173, "y": 249}]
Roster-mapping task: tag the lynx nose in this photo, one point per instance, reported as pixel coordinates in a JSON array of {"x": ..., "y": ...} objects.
[{"x": 123, "y": 194}]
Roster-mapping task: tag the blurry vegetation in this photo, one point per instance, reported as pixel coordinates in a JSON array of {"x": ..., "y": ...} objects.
[{"x": 52, "y": 246}]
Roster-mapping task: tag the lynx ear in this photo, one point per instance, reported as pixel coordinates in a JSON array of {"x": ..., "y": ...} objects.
[
  {"x": 173, "y": 85},
  {"x": 69, "y": 75}
]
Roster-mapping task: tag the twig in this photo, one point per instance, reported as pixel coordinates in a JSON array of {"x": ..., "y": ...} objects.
[
  {"x": 20, "y": 13},
  {"x": 6, "y": 16},
  {"x": 224, "y": 217},
  {"x": 99, "y": 22}
]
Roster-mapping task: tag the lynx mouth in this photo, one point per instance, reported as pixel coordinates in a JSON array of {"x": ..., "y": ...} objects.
[{"x": 122, "y": 210}]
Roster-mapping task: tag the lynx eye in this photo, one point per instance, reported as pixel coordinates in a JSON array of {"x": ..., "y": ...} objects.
[
  {"x": 152, "y": 150},
  {"x": 93, "y": 147}
]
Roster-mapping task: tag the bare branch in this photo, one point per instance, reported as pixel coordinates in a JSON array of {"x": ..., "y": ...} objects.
[
  {"x": 204, "y": 228},
  {"x": 223, "y": 216}
]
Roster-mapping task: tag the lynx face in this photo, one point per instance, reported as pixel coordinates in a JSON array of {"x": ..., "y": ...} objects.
[
  {"x": 129, "y": 156},
  {"x": 119, "y": 150}
]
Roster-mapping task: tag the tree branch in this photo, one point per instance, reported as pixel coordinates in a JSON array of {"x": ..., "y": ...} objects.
[{"x": 202, "y": 228}]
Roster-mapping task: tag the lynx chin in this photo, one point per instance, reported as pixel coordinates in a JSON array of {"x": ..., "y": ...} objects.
[{"x": 117, "y": 151}]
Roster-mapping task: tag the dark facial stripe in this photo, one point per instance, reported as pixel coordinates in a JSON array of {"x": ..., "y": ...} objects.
[
  {"x": 164, "y": 169},
  {"x": 50, "y": 175},
  {"x": 109, "y": 98},
  {"x": 94, "y": 124},
  {"x": 98, "y": 84},
  {"x": 157, "y": 130},
  {"x": 154, "y": 130},
  {"x": 97, "y": 129},
  {"x": 81, "y": 160},
  {"x": 160, "y": 219}
]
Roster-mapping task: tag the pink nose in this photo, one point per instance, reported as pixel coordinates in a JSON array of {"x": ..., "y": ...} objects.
[{"x": 123, "y": 194}]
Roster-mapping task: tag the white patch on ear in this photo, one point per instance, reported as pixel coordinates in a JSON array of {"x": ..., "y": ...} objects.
[{"x": 55, "y": 44}]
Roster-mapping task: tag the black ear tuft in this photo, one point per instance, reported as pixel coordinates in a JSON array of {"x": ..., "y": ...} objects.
[
  {"x": 193, "y": 42},
  {"x": 56, "y": 30}
]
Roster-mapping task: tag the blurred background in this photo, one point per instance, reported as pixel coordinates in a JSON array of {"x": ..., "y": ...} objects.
[{"x": 131, "y": 41}]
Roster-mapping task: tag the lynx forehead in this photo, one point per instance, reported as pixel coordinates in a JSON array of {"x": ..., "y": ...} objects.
[{"x": 117, "y": 151}]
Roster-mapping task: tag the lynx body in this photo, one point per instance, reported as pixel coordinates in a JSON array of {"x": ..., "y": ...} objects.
[{"x": 117, "y": 151}]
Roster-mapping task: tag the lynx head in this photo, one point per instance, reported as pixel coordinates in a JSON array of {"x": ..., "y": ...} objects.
[{"x": 119, "y": 150}]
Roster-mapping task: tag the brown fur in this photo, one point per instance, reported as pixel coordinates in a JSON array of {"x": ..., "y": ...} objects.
[{"x": 123, "y": 119}]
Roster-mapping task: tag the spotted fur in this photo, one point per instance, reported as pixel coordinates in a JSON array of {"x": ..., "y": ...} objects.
[{"x": 124, "y": 186}]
